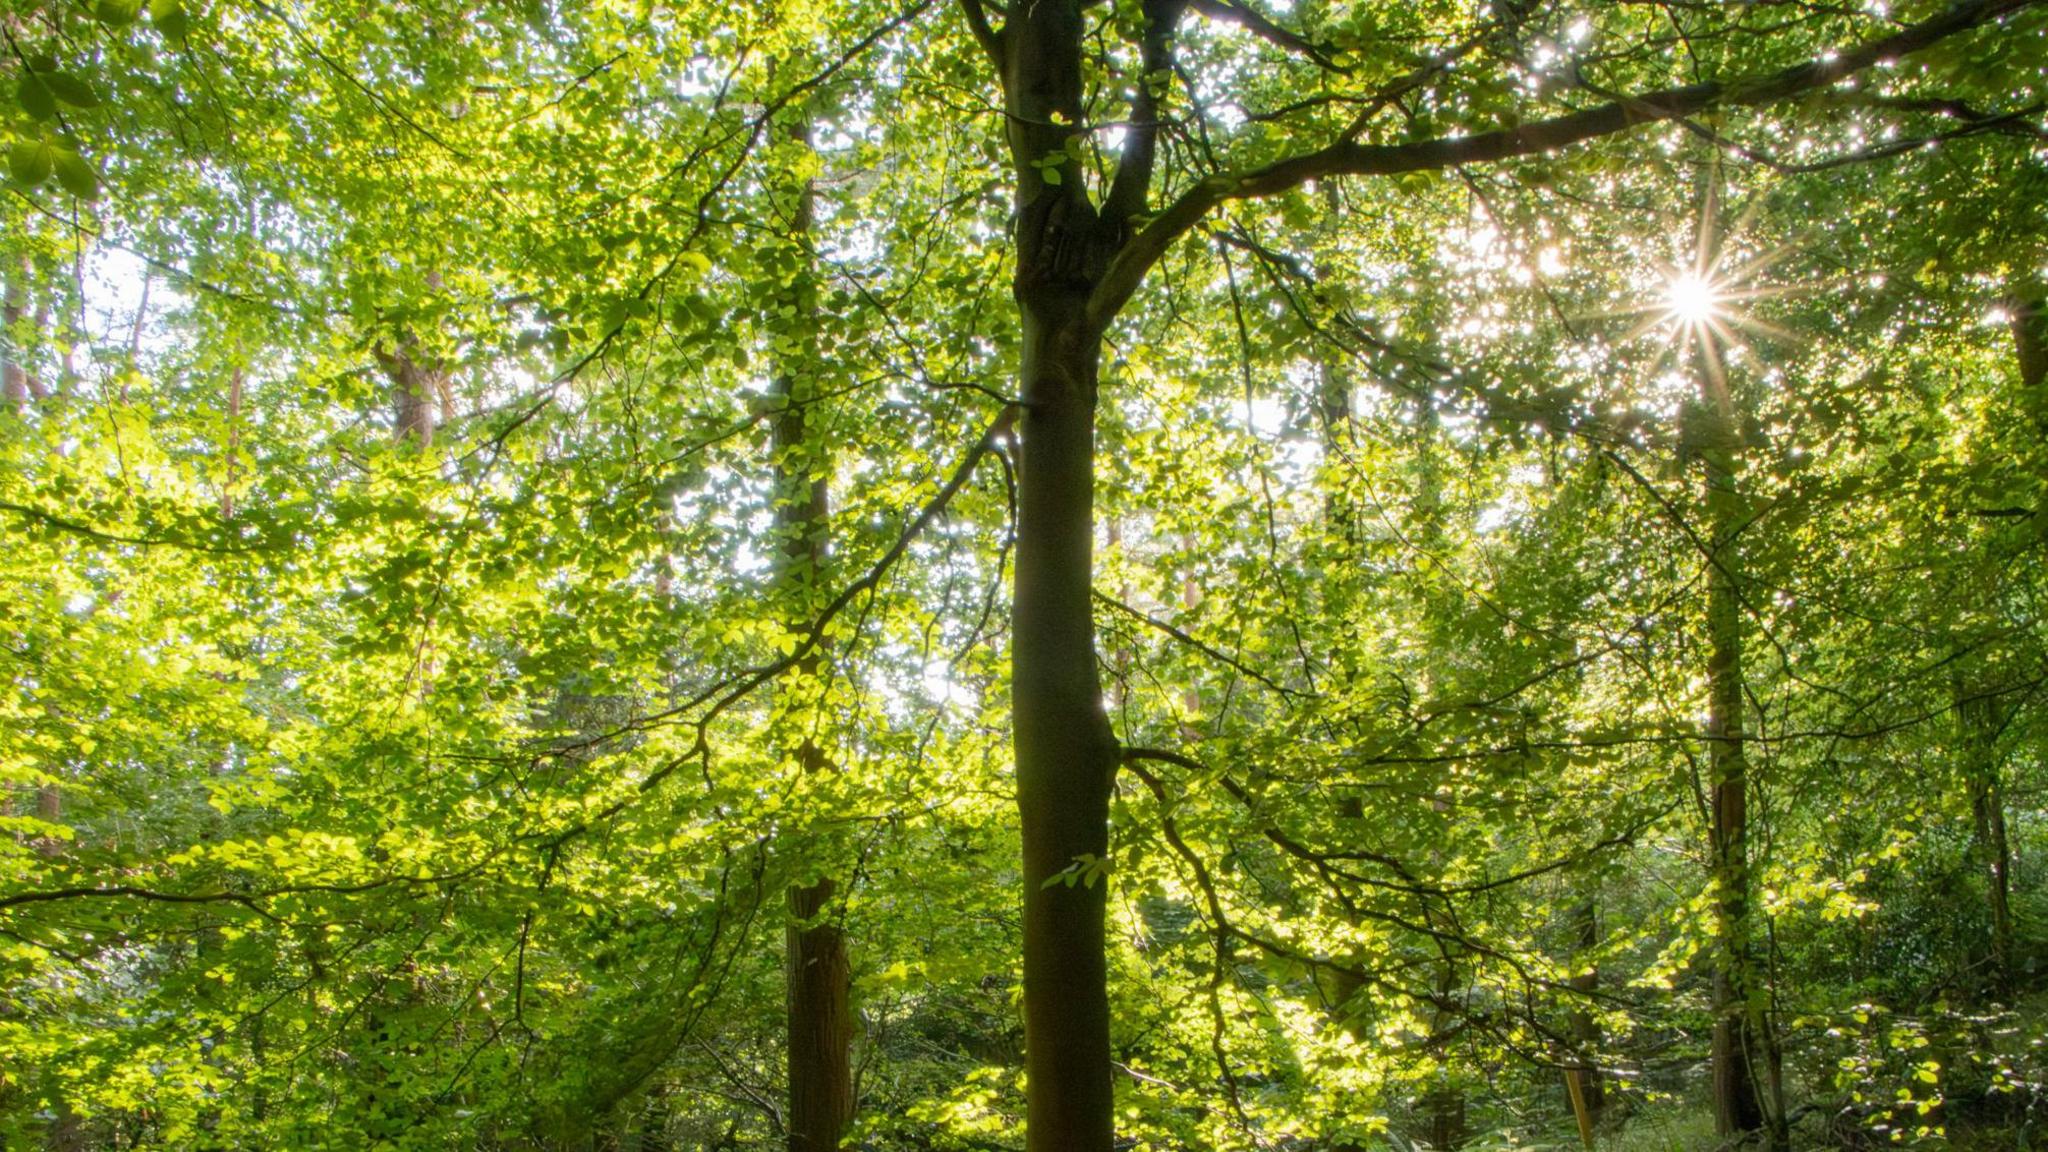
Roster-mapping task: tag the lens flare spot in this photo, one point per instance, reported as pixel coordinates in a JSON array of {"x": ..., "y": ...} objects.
[{"x": 1692, "y": 299}]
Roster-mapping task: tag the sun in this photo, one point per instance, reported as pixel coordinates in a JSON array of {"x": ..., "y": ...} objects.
[
  {"x": 1692, "y": 299},
  {"x": 1701, "y": 306}
]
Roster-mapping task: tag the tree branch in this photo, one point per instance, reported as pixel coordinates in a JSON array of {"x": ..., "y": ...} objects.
[
  {"x": 985, "y": 34},
  {"x": 252, "y": 900},
  {"x": 59, "y": 523},
  {"x": 1346, "y": 158},
  {"x": 728, "y": 691},
  {"x": 1127, "y": 192},
  {"x": 1265, "y": 29},
  {"x": 1223, "y": 658}
]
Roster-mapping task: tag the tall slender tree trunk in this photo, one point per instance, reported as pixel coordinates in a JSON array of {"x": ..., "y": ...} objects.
[
  {"x": 1978, "y": 715},
  {"x": 817, "y": 973},
  {"x": 654, "y": 1123},
  {"x": 1978, "y": 718},
  {"x": 1745, "y": 1090},
  {"x": 1443, "y": 1107},
  {"x": 229, "y": 453},
  {"x": 1582, "y": 1079},
  {"x": 14, "y": 375},
  {"x": 2027, "y": 308},
  {"x": 18, "y": 387},
  {"x": 1066, "y": 753},
  {"x": 1340, "y": 987}
]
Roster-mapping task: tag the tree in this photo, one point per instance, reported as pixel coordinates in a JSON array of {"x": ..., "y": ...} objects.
[
  {"x": 820, "y": 1018},
  {"x": 1079, "y": 261}
]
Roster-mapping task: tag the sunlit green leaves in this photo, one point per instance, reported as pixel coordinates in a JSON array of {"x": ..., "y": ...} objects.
[
  {"x": 30, "y": 162},
  {"x": 117, "y": 13},
  {"x": 171, "y": 19}
]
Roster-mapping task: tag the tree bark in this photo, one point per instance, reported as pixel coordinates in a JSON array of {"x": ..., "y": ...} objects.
[
  {"x": 1745, "y": 1090},
  {"x": 1583, "y": 1080},
  {"x": 1334, "y": 392},
  {"x": 1990, "y": 849},
  {"x": 1445, "y": 1104},
  {"x": 416, "y": 389},
  {"x": 229, "y": 465},
  {"x": 14, "y": 377},
  {"x": 1066, "y": 753},
  {"x": 2028, "y": 313},
  {"x": 1447, "y": 1125},
  {"x": 18, "y": 387},
  {"x": 817, "y": 973}
]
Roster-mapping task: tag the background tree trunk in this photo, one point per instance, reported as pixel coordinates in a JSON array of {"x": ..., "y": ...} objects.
[
  {"x": 416, "y": 390},
  {"x": 1583, "y": 1081},
  {"x": 18, "y": 387},
  {"x": 1743, "y": 1072},
  {"x": 14, "y": 375},
  {"x": 2029, "y": 321},
  {"x": 1979, "y": 720},
  {"x": 817, "y": 973}
]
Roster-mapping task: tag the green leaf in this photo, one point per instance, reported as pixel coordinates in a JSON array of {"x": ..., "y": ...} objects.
[
  {"x": 170, "y": 19},
  {"x": 117, "y": 13},
  {"x": 36, "y": 97},
  {"x": 30, "y": 162},
  {"x": 72, "y": 90},
  {"x": 75, "y": 174}
]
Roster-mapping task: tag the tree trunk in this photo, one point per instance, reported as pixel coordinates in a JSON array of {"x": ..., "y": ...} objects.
[
  {"x": 229, "y": 465},
  {"x": 820, "y": 1023},
  {"x": 1744, "y": 1078},
  {"x": 1443, "y": 1106},
  {"x": 817, "y": 973},
  {"x": 1333, "y": 412},
  {"x": 1446, "y": 1108},
  {"x": 14, "y": 379},
  {"x": 1582, "y": 1080},
  {"x": 416, "y": 390},
  {"x": 18, "y": 386},
  {"x": 2029, "y": 321},
  {"x": 1990, "y": 849},
  {"x": 1980, "y": 719},
  {"x": 1066, "y": 753},
  {"x": 50, "y": 810}
]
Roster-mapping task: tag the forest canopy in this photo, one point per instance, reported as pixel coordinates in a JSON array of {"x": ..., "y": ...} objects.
[{"x": 1060, "y": 575}]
